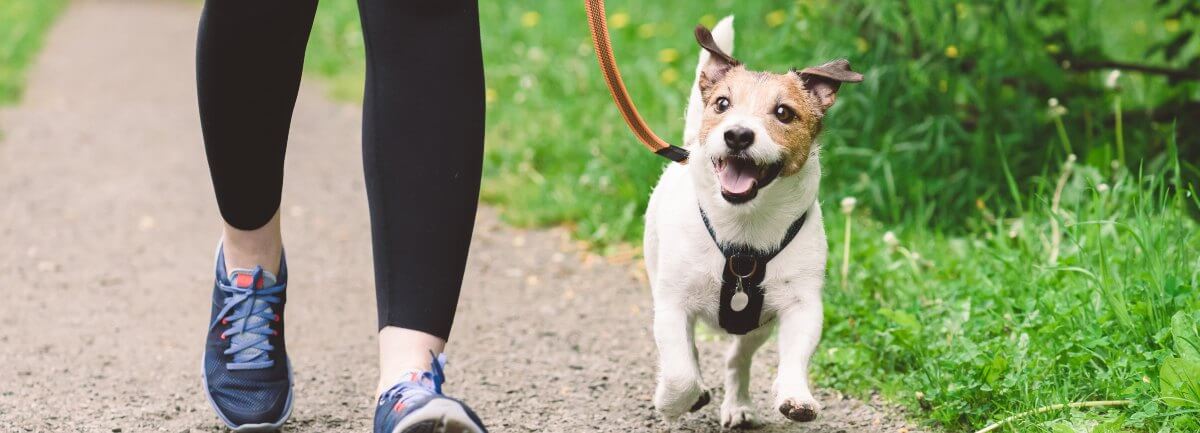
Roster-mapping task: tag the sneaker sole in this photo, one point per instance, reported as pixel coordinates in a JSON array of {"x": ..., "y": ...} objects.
[
  {"x": 439, "y": 416},
  {"x": 250, "y": 428}
]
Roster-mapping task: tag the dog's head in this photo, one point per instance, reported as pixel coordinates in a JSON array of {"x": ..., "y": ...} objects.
[{"x": 759, "y": 126}]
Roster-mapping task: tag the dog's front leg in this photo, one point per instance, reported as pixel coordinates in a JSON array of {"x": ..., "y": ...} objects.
[
  {"x": 799, "y": 332},
  {"x": 679, "y": 389},
  {"x": 737, "y": 410}
]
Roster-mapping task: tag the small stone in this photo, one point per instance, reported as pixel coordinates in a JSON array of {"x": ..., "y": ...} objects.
[
  {"x": 47, "y": 266},
  {"x": 147, "y": 223}
]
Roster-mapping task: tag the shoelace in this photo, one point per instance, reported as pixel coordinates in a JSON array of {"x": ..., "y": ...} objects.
[
  {"x": 245, "y": 304},
  {"x": 407, "y": 390}
]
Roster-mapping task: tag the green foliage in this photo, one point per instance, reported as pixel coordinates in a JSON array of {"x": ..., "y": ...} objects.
[
  {"x": 1180, "y": 381},
  {"x": 953, "y": 86},
  {"x": 1180, "y": 377},
  {"x": 984, "y": 326},
  {"x": 1185, "y": 329},
  {"x": 23, "y": 25}
]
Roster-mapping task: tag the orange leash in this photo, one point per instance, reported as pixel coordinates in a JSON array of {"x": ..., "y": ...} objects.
[{"x": 612, "y": 77}]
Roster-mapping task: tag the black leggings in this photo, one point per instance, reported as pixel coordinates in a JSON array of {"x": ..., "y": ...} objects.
[{"x": 422, "y": 134}]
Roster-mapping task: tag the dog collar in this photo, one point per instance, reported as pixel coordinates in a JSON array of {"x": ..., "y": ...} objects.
[{"x": 741, "y": 282}]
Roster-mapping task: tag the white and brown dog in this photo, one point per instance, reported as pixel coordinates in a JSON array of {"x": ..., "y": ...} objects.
[{"x": 735, "y": 238}]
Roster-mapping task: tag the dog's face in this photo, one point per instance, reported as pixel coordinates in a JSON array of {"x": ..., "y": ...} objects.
[{"x": 759, "y": 126}]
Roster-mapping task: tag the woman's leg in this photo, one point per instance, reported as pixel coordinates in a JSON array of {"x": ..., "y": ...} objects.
[
  {"x": 249, "y": 56},
  {"x": 422, "y": 154}
]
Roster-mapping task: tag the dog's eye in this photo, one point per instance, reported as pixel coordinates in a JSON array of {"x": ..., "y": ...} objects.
[
  {"x": 785, "y": 114},
  {"x": 722, "y": 104}
]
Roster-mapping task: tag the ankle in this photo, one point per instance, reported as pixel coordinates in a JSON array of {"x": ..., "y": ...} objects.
[
  {"x": 246, "y": 249},
  {"x": 403, "y": 352}
]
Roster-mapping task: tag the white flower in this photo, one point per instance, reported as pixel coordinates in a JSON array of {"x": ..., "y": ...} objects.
[
  {"x": 1056, "y": 109},
  {"x": 1015, "y": 230},
  {"x": 1111, "y": 81},
  {"x": 1102, "y": 188},
  {"x": 890, "y": 240},
  {"x": 1071, "y": 157},
  {"x": 848, "y": 204}
]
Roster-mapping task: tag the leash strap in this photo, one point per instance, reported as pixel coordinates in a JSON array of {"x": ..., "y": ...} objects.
[
  {"x": 750, "y": 266},
  {"x": 612, "y": 76}
]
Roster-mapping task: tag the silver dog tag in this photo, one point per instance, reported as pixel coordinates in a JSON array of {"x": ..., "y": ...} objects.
[{"x": 738, "y": 301}]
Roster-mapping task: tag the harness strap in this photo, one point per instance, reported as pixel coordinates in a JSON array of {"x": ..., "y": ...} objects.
[
  {"x": 744, "y": 271},
  {"x": 728, "y": 250}
]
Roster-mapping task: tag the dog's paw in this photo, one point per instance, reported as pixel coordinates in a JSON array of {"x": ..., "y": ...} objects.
[
  {"x": 701, "y": 401},
  {"x": 802, "y": 410},
  {"x": 737, "y": 415},
  {"x": 675, "y": 396}
]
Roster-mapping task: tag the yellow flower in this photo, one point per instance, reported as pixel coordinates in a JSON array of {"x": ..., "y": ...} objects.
[
  {"x": 709, "y": 20},
  {"x": 646, "y": 31},
  {"x": 619, "y": 20},
  {"x": 1172, "y": 25},
  {"x": 1053, "y": 48},
  {"x": 952, "y": 52},
  {"x": 668, "y": 55},
  {"x": 776, "y": 17},
  {"x": 669, "y": 76},
  {"x": 490, "y": 95},
  {"x": 530, "y": 19},
  {"x": 862, "y": 45}
]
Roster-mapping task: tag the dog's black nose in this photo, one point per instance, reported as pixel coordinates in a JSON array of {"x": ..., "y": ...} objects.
[{"x": 739, "y": 138}]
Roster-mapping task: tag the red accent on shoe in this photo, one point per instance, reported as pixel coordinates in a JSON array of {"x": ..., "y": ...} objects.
[
  {"x": 222, "y": 336},
  {"x": 224, "y": 320},
  {"x": 244, "y": 280},
  {"x": 276, "y": 317},
  {"x": 398, "y": 407}
]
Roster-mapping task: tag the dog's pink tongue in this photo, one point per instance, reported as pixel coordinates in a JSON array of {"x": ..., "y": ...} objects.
[{"x": 738, "y": 177}]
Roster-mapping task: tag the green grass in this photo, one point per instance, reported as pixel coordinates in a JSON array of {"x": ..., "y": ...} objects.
[
  {"x": 23, "y": 25},
  {"x": 985, "y": 326},
  {"x": 954, "y": 151}
]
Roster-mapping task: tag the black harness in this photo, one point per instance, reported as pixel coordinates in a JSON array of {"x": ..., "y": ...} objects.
[{"x": 741, "y": 282}]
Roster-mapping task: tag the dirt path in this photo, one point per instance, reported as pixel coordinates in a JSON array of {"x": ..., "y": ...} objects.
[{"x": 106, "y": 250}]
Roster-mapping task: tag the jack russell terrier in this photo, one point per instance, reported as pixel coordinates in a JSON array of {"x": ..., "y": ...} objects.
[{"x": 735, "y": 238}]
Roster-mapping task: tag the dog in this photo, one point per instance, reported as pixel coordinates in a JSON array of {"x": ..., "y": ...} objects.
[{"x": 745, "y": 205}]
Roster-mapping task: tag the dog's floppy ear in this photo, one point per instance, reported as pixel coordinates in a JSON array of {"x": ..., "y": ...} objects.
[
  {"x": 823, "y": 81},
  {"x": 718, "y": 64}
]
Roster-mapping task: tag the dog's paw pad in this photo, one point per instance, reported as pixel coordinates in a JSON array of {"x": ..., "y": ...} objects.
[
  {"x": 702, "y": 401},
  {"x": 737, "y": 418},
  {"x": 798, "y": 411}
]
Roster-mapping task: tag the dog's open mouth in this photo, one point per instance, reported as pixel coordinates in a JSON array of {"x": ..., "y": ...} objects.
[{"x": 741, "y": 178}]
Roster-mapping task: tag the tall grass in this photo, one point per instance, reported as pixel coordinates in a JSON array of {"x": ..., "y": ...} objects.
[
  {"x": 971, "y": 329},
  {"x": 23, "y": 25}
]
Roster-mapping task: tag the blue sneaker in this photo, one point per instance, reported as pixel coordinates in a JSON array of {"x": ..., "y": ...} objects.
[
  {"x": 247, "y": 375},
  {"x": 418, "y": 406}
]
